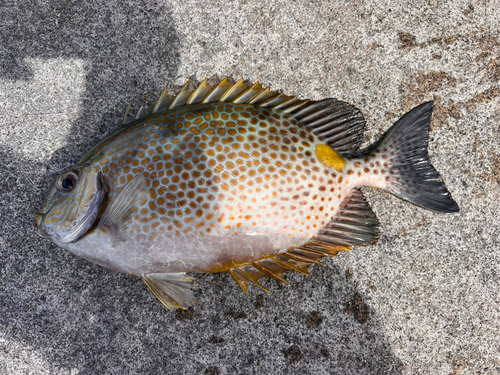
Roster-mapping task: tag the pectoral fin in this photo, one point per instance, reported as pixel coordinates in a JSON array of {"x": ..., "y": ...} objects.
[
  {"x": 122, "y": 206},
  {"x": 172, "y": 289}
]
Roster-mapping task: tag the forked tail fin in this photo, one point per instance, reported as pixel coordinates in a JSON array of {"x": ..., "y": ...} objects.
[{"x": 411, "y": 174}]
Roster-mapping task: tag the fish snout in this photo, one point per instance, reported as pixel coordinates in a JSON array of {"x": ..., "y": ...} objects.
[
  {"x": 40, "y": 227},
  {"x": 42, "y": 232}
]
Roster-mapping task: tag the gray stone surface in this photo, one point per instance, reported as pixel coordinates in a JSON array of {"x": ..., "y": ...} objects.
[{"x": 425, "y": 300}]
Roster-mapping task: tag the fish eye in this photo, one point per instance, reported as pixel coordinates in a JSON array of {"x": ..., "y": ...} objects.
[{"x": 67, "y": 182}]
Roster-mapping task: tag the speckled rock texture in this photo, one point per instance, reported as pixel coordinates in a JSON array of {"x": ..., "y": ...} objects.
[{"x": 424, "y": 300}]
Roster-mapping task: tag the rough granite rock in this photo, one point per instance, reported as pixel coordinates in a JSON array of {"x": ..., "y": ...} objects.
[{"x": 431, "y": 285}]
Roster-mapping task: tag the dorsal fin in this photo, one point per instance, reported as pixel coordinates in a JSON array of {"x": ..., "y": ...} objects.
[
  {"x": 340, "y": 124},
  {"x": 224, "y": 91},
  {"x": 355, "y": 224}
]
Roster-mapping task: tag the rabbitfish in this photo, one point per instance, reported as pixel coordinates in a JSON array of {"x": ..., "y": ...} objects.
[{"x": 234, "y": 178}]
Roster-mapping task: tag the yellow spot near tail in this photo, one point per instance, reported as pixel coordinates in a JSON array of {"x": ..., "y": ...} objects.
[{"x": 329, "y": 157}]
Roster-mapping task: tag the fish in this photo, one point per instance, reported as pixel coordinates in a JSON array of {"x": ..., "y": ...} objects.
[{"x": 235, "y": 178}]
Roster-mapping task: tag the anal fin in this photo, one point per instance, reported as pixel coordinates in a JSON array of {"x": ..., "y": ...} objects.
[
  {"x": 295, "y": 259},
  {"x": 355, "y": 224},
  {"x": 172, "y": 289}
]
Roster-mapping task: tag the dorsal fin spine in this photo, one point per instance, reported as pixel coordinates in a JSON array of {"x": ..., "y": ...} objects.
[
  {"x": 163, "y": 101},
  {"x": 182, "y": 97},
  {"x": 233, "y": 92},
  {"x": 200, "y": 93},
  {"x": 215, "y": 94},
  {"x": 262, "y": 96},
  {"x": 142, "y": 112},
  {"x": 125, "y": 118},
  {"x": 246, "y": 95},
  {"x": 274, "y": 101}
]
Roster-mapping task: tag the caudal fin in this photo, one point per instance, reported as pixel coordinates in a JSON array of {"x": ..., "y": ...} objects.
[{"x": 411, "y": 174}]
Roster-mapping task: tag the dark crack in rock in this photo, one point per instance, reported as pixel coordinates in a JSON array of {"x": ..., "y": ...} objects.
[
  {"x": 259, "y": 301},
  {"x": 314, "y": 319},
  {"x": 358, "y": 308},
  {"x": 212, "y": 371},
  {"x": 482, "y": 97},
  {"x": 236, "y": 315},
  {"x": 181, "y": 314},
  {"x": 216, "y": 340},
  {"x": 408, "y": 41},
  {"x": 324, "y": 352},
  {"x": 293, "y": 353},
  {"x": 348, "y": 274},
  {"x": 458, "y": 365}
]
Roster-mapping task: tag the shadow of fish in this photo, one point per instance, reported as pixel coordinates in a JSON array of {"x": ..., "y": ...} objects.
[{"x": 234, "y": 178}]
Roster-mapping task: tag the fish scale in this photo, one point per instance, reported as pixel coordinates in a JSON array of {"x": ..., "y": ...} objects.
[
  {"x": 213, "y": 168},
  {"x": 238, "y": 179}
]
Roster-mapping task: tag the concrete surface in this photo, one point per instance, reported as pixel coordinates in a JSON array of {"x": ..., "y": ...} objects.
[{"x": 425, "y": 300}]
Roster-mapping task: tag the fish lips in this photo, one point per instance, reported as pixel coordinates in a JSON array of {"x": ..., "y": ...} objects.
[{"x": 81, "y": 227}]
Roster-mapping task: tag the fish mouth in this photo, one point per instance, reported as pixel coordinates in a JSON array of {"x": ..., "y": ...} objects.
[{"x": 82, "y": 226}]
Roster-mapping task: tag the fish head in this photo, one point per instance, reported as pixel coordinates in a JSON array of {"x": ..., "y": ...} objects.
[{"x": 71, "y": 205}]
